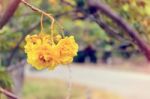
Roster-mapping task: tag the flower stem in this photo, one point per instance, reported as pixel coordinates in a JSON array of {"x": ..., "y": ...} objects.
[
  {"x": 44, "y": 13},
  {"x": 42, "y": 24}
]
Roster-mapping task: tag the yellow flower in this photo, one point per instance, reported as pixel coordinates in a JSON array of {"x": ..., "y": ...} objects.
[
  {"x": 43, "y": 57},
  {"x": 67, "y": 48},
  {"x": 36, "y": 40},
  {"x": 40, "y": 51},
  {"x": 43, "y": 53},
  {"x": 57, "y": 38},
  {"x": 32, "y": 42}
]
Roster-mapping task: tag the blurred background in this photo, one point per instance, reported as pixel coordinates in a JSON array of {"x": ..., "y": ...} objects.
[{"x": 113, "y": 57}]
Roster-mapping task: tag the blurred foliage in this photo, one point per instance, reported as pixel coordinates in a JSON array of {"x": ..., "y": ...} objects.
[
  {"x": 136, "y": 12},
  {"x": 5, "y": 80}
]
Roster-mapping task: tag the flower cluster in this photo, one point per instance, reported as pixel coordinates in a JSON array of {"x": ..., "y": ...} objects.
[{"x": 44, "y": 51}]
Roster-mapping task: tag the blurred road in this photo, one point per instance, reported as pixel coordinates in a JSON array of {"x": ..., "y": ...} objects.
[{"x": 131, "y": 85}]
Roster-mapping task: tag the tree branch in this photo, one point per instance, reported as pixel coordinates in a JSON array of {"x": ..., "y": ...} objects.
[
  {"x": 110, "y": 31},
  {"x": 67, "y": 3},
  {"x": 8, "y": 94},
  {"x": 97, "y": 5},
  {"x": 9, "y": 12},
  {"x": 95, "y": 17}
]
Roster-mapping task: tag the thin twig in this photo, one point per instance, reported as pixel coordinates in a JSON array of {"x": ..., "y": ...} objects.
[
  {"x": 40, "y": 11},
  {"x": 68, "y": 3},
  {"x": 42, "y": 29},
  {"x": 8, "y": 94}
]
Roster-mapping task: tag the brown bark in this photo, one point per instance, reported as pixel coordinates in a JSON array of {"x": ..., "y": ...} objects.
[
  {"x": 97, "y": 5},
  {"x": 8, "y": 94},
  {"x": 109, "y": 30},
  {"x": 13, "y": 5}
]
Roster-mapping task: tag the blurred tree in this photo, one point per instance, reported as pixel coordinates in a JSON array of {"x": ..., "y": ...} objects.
[
  {"x": 79, "y": 17},
  {"x": 91, "y": 21}
]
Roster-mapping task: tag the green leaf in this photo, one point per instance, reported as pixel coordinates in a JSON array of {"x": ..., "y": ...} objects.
[{"x": 5, "y": 80}]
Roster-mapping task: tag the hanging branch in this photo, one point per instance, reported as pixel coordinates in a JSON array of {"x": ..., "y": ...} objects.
[
  {"x": 8, "y": 94},
  {"x": 97, "y": 5},
  {"x": 9, "y": 12},
  {"x": 41, "y": 12}
]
